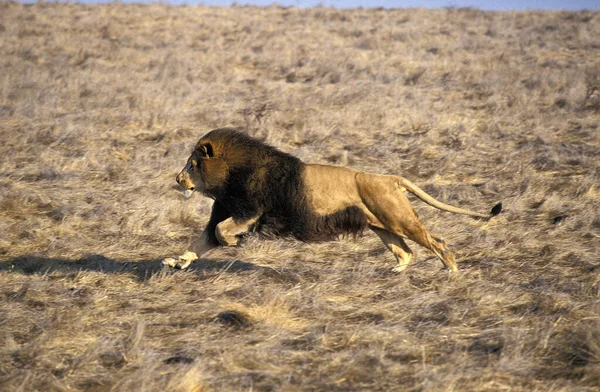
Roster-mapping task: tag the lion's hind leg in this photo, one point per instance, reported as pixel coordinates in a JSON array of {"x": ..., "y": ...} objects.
[
  {"x": 387, "y": 203},
  {"x": 397, "y": 246},
  {"x": 436, "y": 245},
  {"x": 416, "y": 231}
]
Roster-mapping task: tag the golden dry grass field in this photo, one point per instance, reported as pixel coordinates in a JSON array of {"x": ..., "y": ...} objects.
[{"x": 100, "y": 106}]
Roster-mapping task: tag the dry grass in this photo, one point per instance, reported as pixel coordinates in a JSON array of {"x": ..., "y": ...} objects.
[{"x": 100, "y": 105}]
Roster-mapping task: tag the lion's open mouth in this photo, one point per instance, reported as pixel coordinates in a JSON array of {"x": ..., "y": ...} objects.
[{"x": 188, "y": 193}]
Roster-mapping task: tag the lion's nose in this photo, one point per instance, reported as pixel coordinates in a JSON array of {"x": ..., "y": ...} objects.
[{"x": 179, "y": 178}]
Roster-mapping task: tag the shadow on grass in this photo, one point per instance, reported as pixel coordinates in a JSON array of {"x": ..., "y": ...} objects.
[{"x": 142, "y": 269}]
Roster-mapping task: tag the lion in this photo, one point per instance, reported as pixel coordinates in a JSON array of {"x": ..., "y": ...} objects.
[{"x": 258, "y": 188}]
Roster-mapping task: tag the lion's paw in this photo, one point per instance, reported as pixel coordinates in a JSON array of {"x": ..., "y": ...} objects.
[
  {"x": 182, "y": 261},
  {"x": 176, "y": 264}
]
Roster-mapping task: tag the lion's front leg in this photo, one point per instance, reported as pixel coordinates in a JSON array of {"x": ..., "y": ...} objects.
[
  {"x": 227, "y": 232},
  {"x": 204, "y": 243},
  {"x": 182, "y": 261},
  {"x": 194, "y": 252}
]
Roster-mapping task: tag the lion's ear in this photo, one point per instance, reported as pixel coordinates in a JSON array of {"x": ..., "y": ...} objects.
[{"x": 205, "y": 150}]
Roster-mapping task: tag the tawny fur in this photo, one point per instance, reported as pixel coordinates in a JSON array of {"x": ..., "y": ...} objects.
[{"x": 261, "y": 189}]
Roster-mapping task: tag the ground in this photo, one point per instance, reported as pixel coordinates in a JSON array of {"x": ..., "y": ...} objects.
[{"x": 100, "y": 106}]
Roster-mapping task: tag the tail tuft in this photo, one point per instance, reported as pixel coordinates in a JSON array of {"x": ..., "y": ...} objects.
[{"x": 496, "y": 209}]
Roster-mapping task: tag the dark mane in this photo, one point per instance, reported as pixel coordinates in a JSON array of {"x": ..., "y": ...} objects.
[
  {"x": 232, "y": 141},
  {"x": 262, "y": 178}
]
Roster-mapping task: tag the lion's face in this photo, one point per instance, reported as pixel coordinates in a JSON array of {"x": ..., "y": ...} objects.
[
  {"x": 189, "y": 178},
  {"x": 203, "y": 171}
]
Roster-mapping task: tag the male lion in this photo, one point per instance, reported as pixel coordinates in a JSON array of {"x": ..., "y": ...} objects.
[{"x": 258, "y": 188}]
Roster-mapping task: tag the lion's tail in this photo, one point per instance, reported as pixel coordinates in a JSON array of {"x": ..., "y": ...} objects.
[{"x": 421, "y": 194}]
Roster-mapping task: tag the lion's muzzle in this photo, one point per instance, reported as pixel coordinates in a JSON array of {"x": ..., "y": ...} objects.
[{"x": 183, "y": 179}]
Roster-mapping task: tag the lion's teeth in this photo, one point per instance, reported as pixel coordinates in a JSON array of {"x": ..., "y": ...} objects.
[{"x": 187, "y": 193}]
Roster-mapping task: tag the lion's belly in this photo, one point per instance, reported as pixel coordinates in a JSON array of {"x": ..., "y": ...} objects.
[
  {"x": 330, "y": 189},
  {"x": 329, "y": 207}
]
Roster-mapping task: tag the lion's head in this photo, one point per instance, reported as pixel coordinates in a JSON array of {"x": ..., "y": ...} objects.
[{"x": 205, "y": 170}]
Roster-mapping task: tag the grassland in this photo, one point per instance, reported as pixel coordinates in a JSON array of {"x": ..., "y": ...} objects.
[{"x": 100, "y": 105}]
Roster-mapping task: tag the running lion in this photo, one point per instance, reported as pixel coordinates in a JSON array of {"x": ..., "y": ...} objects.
[{"x": 257, "y": 188}]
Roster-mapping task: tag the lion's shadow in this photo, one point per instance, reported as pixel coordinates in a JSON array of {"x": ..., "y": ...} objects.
[{"x": 142, "y": 269}]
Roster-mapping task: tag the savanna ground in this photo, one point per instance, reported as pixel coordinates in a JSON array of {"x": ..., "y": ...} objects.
[{"x": 101, "y": 104}]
